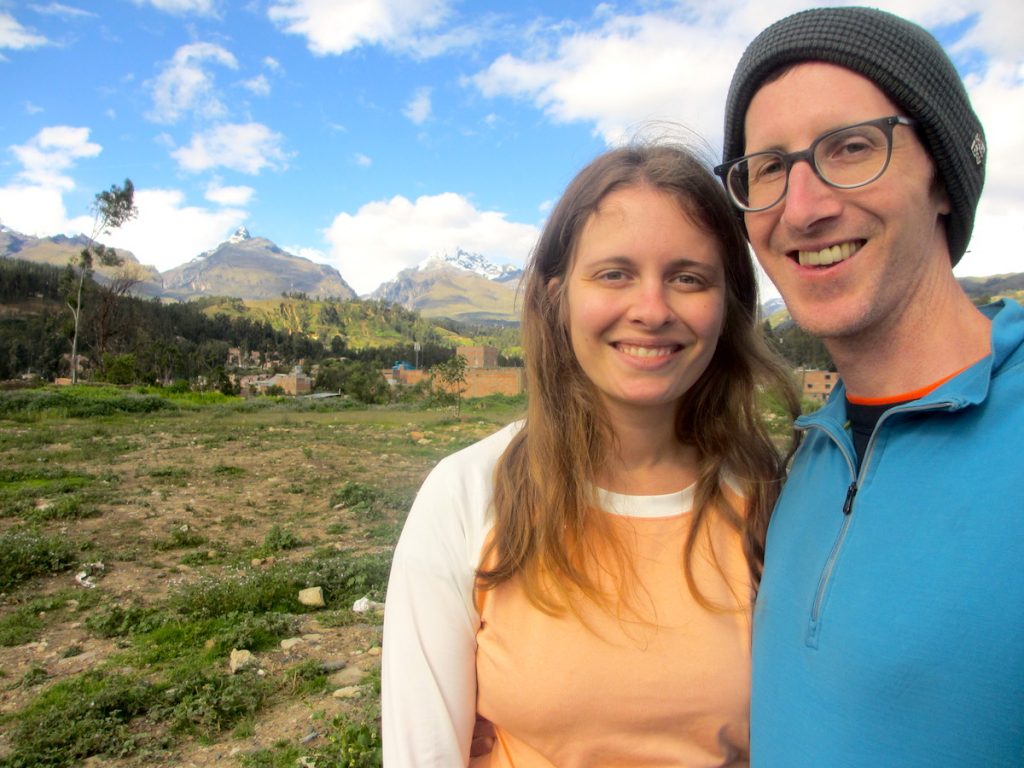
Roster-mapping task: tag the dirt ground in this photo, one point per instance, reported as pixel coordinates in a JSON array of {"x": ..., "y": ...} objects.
[{"x": 226, "y": 478}]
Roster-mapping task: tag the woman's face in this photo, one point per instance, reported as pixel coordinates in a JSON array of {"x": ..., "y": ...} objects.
[{"x": 646, "y": 300}]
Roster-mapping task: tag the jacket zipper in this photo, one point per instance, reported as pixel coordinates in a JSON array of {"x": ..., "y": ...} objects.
[{"x": 814, "y": 627}]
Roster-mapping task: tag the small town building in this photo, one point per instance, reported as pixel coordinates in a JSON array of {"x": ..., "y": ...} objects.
[
  {"x": 815, "y": 384},
  {"x": 294, "y": 383},
  {"x": 483, "y": 374}
]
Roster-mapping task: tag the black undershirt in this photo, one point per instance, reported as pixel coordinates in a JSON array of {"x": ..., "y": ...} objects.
[{"x": 862, "y": 419}]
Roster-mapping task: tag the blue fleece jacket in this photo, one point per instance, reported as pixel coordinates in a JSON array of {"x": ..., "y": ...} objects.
[{"x": 889, "y": 627}]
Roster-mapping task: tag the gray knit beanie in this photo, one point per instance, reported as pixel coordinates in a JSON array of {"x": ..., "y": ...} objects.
[{"x": 906, "y": 63}]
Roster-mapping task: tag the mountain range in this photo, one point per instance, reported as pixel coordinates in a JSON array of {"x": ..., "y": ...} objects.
[{"x": 462, "y": 286}]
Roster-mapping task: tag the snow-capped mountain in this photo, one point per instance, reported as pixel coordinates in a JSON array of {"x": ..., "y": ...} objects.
[
  {"x": 464, "y": 286},
  {"x": 253, "y": 268},
  {"x": 476, "y": 263}
]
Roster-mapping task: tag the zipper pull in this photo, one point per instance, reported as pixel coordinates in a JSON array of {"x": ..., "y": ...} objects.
[{"x": 850, "y": 493}]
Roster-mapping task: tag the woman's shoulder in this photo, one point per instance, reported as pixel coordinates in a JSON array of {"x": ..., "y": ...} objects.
[
  {"x": 466, "y": 478},
  {"x": 452, "y": 513},
  {"x": 481, "y": 457}
]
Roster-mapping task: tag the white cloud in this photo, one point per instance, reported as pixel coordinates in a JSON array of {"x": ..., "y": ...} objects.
[
  {"x": 998, "y": 98},
  {"x": 34, "y": 202},
  {"x": 313, "y": 254},
  {"x": 629, "y": 70},
  {"x": 244, "y": 147},
  {"x": 168, "y": 233},
  {"x": 185, "y": 86},
  {"x": 183, "y": 7},
  {"x": 271, "y": 63},
  {"x": 997, "y": 227},
  {"x": 32, "y": 210},
  {"x": 258, "y": 85},
  {"x": 15, "y": 36},
  {"x": 362, "y": 160},
  {"x": 229, "y": 196},
  {"x": 331, "y": 27},
  {"x": 384, "y": 237},
  {"x": 418, "y": 107},
  {"x": 997, "y": 31},
  {"x": 51, "y": 152},
  {"x": 64, "y": 11}
]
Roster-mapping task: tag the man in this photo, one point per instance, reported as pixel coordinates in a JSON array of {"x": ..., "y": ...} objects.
[{"x": 889, "y": 628}]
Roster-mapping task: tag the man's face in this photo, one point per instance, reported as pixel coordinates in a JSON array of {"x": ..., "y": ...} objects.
[{"x": 884, "y": 242}]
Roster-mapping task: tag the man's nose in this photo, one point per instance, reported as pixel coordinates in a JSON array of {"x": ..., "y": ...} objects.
[{"x": 808, "y": 198}]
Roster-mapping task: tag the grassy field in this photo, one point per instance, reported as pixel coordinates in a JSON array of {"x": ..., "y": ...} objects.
[{"x": 144, "y": 537}]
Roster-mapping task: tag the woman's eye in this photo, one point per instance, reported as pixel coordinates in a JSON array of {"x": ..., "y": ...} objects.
[
  {"x": 687, "y": 279},
  {"x": 612, "y": 275}
]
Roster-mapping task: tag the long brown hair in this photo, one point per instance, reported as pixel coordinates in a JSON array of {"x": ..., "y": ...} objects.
[{"x": 543, "y": 496}]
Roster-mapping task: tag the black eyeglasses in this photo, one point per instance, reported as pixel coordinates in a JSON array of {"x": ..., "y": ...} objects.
[{"x": 845, "y": 158}]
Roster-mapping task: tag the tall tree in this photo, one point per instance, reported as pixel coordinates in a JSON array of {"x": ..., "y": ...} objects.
[
  {"x": 452, "y": 373},
  {"x": 111, "y": 209}
]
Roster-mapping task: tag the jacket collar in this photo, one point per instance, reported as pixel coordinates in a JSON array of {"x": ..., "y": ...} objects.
[{"x": 966, "y": 389}]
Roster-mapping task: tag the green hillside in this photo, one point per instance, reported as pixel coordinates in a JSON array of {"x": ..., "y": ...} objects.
[{"x": 360, "y": 324}]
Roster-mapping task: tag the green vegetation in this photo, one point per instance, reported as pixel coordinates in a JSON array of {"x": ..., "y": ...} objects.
[
  {"x": 74, "y": 719},
  {"x": 452, "y": 376},
  {"x": 25, "y": 552},
  {"x": 344, "y": 578},
  {"x": 47, "y": 493},
  {"x": 122, "y": 339},
  {"x": 222, "y": 510},
  {"x": 351, "y": 744},
  {"x": 79, "y": 402}
]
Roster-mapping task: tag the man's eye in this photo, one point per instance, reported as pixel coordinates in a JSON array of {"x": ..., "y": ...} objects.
[
  {"x": 766, "y": 169},
  {"x": 853, "y": 147}
]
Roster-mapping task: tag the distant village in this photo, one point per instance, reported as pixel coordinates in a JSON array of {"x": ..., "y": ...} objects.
[{"x": 483, "y": 375}]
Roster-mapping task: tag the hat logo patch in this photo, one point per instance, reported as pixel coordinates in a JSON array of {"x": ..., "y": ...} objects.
[{"x": 978, "y": 149}]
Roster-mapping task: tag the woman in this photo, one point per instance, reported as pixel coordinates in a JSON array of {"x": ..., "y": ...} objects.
[{"x": 583, "y": 579}]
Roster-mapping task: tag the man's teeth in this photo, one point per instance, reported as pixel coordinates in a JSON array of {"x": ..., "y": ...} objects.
[
  {"x": 636, "y": 351},
  {"x": 827, "y": 256}
]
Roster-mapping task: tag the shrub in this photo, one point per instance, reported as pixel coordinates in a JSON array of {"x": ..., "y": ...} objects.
[
  {"x": 77, "y": 718},
  {"x": 78, "y": 402},
  {"x": 343, "y": 577},
  {"x": 26, "y": 553},
  {"x": 364, "y": 501},
  {"x": 47, "y": 493},
  {"x": 204, "y": 702},
  {"x": 20, "y": 626},
  {"x": 123, "y": 620},
  {"x": 279, "y": 539}
]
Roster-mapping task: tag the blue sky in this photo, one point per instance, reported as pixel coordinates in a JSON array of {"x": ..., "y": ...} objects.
[{"x": 371, "y": 134}]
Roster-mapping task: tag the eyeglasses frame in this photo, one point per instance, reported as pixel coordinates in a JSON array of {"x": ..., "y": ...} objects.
[{"x": 789, "y": 159}]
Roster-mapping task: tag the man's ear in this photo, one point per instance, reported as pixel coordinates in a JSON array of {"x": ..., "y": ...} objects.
[{"x": 940, "y": 196}]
